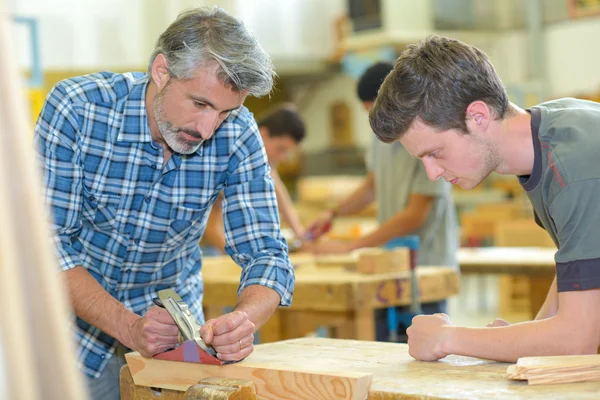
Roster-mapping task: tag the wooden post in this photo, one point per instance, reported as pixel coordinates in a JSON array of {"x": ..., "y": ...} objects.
[{"x": 36, "y": 339}]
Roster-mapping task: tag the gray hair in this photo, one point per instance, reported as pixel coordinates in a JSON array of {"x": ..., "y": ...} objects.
[
  {"x": 201, "y": 36},
  {"x": 435, "y": 81}
]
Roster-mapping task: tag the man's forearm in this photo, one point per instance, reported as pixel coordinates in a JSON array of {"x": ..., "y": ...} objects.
[
  {"x": 535, "y": 338},
  {"x": 286, "y": 206},
  {"x": 359, "y": 199},
  {"x": 97, "y": 307},
  {"x": 550, "y": 306},
  {"x": 405, "y": 222},
  {"x": 259, "y": 302}
]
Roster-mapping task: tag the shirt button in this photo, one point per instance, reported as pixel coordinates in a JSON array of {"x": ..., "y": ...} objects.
[
  {"x": 92, "y": 198},
  {"x": 136, "y": 241},
  {"x": 153, "y": 166},
  {"x": 147, "y": 199}
]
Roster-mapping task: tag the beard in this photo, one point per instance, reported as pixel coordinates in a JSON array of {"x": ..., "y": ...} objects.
[
  {"x": 170, "y": 133},
  {"x": 490, "y": 160}
]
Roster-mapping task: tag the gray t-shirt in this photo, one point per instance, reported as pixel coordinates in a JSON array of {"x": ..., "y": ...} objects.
[
  {"x": 564, "y": 187},
  {"x": 397, "y": 176}
]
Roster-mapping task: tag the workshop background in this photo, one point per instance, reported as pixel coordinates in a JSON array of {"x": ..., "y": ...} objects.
[{"x": 542, "y": 49}]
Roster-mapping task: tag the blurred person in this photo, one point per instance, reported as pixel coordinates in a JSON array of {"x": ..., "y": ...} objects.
[
  {"x": 282, "y": 130},
  {"x": 408, "y": 203},
  {"x": 132, "y": 164},
  {"x": 448, "y": 107}
]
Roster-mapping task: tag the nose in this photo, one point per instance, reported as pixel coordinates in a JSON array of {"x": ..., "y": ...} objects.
[
  {"x": 434, "y": 171},
  {"x": 207, "y": 124}
]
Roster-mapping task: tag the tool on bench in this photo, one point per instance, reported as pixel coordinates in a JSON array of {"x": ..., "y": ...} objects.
[{"x": 193, "y": 348}]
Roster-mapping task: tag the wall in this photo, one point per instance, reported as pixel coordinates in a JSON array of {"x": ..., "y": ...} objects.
[
  {"x": 84, "y": 35},
  {"x": 315, "y": 100},
  {"x": 117, "y": 34},
  {"x": 573, "y": 59}
]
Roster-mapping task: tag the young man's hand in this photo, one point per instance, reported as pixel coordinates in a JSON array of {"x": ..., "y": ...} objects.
[
  {"x": 427, "y": 337},
  {"x": 497, "y": 322},
  {"x": 320, "y": 226},
  {"x": 154, "y": 333},
  {"x": 231, "y": 335}
]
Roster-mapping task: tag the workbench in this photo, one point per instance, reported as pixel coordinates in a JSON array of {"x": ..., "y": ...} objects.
[
  {"x": 331, "y": 297},
  {"x": 386, "y": 367},
  {"x": 536, "y": 263}
]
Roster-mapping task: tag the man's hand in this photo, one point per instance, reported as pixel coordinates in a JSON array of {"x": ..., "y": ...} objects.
[
  {"x": 154, "y": 333},
  {"x": 332, "y": 247},
  {"x": 232, "y": 335},
  {"x": 498, "y": 322},
  {"x": 320, "y": 226},
  {"x": 426, "y": 336}
]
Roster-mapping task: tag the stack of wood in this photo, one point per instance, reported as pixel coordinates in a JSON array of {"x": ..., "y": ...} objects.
[{"x": 556, "y": 369}]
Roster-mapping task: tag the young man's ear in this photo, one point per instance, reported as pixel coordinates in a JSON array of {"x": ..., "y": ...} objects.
[
  {"x": 160, "y": 71},
  {"x": 478, "y": 116}
]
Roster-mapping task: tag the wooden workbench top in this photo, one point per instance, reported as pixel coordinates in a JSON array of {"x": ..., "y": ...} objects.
[
  {"x": 395, "y": 375},
  {"x": 509, "y": 260},
  {"x": 334, "y": 288}
]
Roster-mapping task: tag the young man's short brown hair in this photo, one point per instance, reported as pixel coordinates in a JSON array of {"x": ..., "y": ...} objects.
[{"x": 435, "y": 81}]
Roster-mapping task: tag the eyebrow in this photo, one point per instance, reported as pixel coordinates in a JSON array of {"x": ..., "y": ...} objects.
[
  {"x": 423, "y": 154},
  {"x": 206, "y": 101}
]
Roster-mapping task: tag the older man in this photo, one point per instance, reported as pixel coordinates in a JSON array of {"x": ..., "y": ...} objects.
[{"x": 132, "y": 163}]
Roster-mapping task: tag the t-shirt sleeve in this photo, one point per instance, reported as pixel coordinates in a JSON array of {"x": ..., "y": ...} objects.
[
  {"x": 576, "y": 217},
  {"x": 422, "y": 185}
]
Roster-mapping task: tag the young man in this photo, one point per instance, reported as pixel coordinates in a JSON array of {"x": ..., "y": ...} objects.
[
  {"x": 445, "y": 103},
  {"x": 281, "y": 130},
  {"x": 132, "y": 163},
  {"x": 408, "y": 202}
]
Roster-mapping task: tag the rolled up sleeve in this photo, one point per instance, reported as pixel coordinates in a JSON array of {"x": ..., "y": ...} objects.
[{"x": 252, "y": 230}]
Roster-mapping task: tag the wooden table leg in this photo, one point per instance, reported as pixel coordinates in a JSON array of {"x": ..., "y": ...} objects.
[
  {"x": 538, "y": 290},
  {"x": 364, "y": 324},
  {"x": 271, "y": 331}
]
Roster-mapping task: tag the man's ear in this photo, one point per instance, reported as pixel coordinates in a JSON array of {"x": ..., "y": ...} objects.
[
  {"x": 160, "y": 72},
  {"x": 478, "y": 116}
]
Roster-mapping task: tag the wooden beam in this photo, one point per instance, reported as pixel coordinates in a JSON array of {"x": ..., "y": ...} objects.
[{"x": 283, "y": 381}]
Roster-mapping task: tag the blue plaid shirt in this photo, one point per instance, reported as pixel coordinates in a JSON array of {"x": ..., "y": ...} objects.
[{"x": 135, "y": 225}]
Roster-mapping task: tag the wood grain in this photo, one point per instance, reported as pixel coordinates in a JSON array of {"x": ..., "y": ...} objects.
[
  {"x": 556, "y": 369},
  {"x": 396, "y": 375},
  {"x": 272, "y": 381}
]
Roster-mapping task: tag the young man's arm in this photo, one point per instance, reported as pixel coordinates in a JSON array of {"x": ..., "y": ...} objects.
[
  {"x": 286, "y": 207},
  {"x": 575, "y": 329},
  {"x": 407, "y": 221},
  {"x": 354, "y": 203}
]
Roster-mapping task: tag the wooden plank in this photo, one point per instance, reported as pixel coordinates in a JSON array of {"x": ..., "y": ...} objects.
[
  {"x": 556, "y": 369},
  {"x": 396, "y": 375},
  {"x": 35, "y": 338},
  {"x": 284, "y": 380}
]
